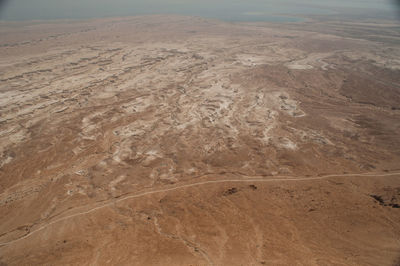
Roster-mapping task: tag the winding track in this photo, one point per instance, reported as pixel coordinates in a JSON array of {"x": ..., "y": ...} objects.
[{"x": 281, "y": 178}]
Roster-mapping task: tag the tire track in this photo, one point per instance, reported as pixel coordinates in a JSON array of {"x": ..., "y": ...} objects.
[{"x": 260, "y": 179}]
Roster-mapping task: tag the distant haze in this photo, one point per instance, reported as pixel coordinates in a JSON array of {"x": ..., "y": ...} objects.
[{"x": 222, "y": 9}]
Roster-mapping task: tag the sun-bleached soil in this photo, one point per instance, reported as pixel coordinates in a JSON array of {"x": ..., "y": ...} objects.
[{"x": 168, "y": 140}]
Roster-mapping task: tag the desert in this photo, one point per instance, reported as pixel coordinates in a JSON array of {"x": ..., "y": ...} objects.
[{"x": 181, "y": 140}]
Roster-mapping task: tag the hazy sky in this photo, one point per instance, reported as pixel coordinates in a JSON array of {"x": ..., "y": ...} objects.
[{"x": 225, "y": 9}]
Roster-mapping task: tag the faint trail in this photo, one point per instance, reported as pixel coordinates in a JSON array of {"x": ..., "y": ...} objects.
[
  {"x": 260, "y": 179},
  {"x": 192, "y": 246}
]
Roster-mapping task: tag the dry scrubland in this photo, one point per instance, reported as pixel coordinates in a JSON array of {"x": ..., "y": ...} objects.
[{"x": 183, "y": 141}]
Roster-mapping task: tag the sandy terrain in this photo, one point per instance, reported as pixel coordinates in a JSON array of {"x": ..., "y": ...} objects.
[{"x": 183, "y": 141}]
